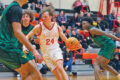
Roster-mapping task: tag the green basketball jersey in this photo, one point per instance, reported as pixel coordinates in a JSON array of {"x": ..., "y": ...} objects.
[
  {"x": 7, "y": 36},
  {"x": 27, "y": 29},
  {"x": 100, "y": 40}
]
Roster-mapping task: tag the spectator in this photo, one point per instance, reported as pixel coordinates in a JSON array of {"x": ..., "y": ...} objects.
[
  {"x": 44, "y": 6},
  {"x": 81, "y": 14},
  {"x": 86, "y": 40},
  {"x": 75, "y": 22},
  {"x": 118, "y": 35},
  {"x": 81, "y": 17},
  {"x": 115, "y": 62},
  {"x": 118, "y": 32},
  {"x": 50, "y": 4},
  {"x": 78, "y": 36},
  {"x": 68, "y": 59},
  {"x": 38, "y": 6},
  {"x": 100, "y": 25},
  {"x": 62, "y": 19},
  {"x": 84, "y": 5},
  {"x": 88, "y": 15},
  {"x": 43, "y": 1},
  {"x": 77, "y": 6},
  {"x": 1, "y": 5},
  {"x": 112, "y": 17},
  {"x": 32, "y": 2}
]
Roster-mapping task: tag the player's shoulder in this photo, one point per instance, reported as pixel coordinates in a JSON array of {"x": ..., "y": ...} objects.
[{"x": 16, "y": 8}]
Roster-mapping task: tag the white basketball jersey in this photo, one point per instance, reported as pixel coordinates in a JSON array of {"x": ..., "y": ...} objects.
[{"x": 49, "y": 38}]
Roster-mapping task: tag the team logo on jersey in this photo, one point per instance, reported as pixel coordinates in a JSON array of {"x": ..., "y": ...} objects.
[{"x": 24, "y": 56}]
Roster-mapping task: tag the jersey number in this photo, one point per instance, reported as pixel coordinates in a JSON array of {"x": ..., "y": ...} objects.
[{"x": 48, "y": 41}]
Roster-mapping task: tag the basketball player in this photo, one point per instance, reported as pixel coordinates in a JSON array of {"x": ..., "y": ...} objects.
[
  {"x": 103, "y": 40},
  {"x": 27, "y": 17},
  {"x": 10, "y": 36},
  {"x": 49, "y": 33}
]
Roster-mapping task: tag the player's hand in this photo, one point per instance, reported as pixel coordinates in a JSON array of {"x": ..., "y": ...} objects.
[
  {"x": 38, "y": 57},
  {"x": 118, "y": 39},
  {"x": 36, "y": 41},
  {"x": 25, "y": 50}
]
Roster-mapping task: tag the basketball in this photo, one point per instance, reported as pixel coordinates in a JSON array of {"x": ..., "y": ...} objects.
[{"x": 73, "y": 44}]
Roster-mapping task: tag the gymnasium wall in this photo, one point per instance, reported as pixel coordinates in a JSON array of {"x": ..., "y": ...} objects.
[
  {"x": 67, "y": 4},
  {"x": 6, "y": 2}
]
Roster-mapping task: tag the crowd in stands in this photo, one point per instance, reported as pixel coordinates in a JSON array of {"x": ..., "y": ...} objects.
[{"x": 73, "y": 27}]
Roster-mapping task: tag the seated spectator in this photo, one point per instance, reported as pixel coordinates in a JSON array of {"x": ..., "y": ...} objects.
[
  {"x": 38, "y": 6},
  {"x": 118, "y": 35},
  {"x": 50, "y": 4},
  {"x": 68, "y": 60},
  {"x": 81, "y": 17},
  {"x": 88, "y": 15},
  {"x": 78, "y": 36},
  {"x": 75, "y": 22},
  {"x": 44, "y": 6},
  {"x": 84, "y": 5},
  {"x": 100, "y": 25},
  {"x": 82, "y": 14},
  {"x": 115, "y": 62},
  {"x": 111, "y": 17},
  {"x": 62, "y": 19},
  {"x": 1, "y": 5},
  {"x": 43, "y": 1},
  {"x": 32, "y": 2},
  {"x": 118, "y": 32},
  {"x": 86, "y": 40},
  {"x": 77, "y": 6}
]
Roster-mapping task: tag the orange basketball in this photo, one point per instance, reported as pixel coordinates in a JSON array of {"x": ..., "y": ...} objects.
[{"x": 73, "y": 44}]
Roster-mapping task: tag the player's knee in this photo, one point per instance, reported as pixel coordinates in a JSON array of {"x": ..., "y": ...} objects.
[
  {"x": 59, "y": 66},
  {"x": 95, "y": 64}
]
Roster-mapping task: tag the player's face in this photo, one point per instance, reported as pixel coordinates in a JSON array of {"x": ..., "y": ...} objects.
[
  {"x": 85, "y": 25},
  {"x": 26, "y": 19},
  {"x": 46, "y": 17}
]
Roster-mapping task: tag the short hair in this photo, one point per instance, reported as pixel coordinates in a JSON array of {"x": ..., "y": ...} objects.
[
  {"x": 30, "y": 13},
  {"x": 89, "y": 20},
  {"x": 49, "y": 9}
]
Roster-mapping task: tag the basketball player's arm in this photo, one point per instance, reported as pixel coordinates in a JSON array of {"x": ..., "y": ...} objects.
[
  {"x": 61, "y": 34},
  {"x": 99, "y": 32},
  {"x": 21, "y": 37},
  {"x": 35, "y": 30}
]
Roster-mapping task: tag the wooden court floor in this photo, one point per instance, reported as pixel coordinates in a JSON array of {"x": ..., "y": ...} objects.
[{"x": 53, "y": 78}]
